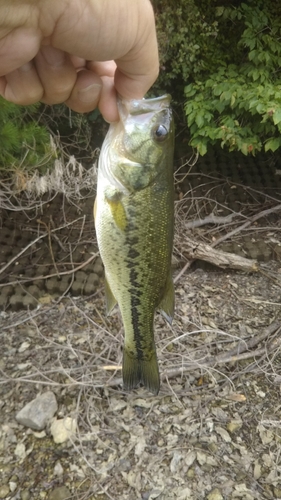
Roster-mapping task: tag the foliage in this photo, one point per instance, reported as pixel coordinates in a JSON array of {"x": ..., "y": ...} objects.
[
  {"x": 224, "y": 60},
  {"x": 185, "y": 42},
  {"x": 240, "y": 104},
  {"x": 24, "y": 143}
]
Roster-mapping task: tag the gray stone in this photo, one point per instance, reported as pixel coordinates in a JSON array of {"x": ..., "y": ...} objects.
[
  {"x": 38, "y": 412},
  {"x": 25, "y": 495},
  {"x": 4, "y": 491},
  {"x": 60, "y": 493}
]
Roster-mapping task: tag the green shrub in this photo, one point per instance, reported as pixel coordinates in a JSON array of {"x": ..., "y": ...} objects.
[
  {"x": 24, "y": 143},
  {"x": 224, "y": 62},
  {"x": 186, "y": 41},
  {"x": 239, "y": 105}
]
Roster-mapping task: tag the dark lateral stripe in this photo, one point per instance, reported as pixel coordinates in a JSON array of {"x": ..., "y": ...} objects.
[
  {"x": 135, "y": 303},
  {"x": 133, "y": 253}
]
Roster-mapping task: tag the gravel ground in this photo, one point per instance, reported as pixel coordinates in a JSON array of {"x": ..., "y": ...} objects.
[{"x": 214, "y": 430}]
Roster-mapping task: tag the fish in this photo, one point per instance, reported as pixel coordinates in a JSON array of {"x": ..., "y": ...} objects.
[{"x": 134, "y": 222}]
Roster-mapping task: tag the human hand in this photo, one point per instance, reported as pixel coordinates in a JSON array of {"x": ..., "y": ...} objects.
[{"x": 77, "y": 52}]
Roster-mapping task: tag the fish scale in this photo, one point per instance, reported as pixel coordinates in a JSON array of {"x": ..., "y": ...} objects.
[{"x": 134, "y": 226}]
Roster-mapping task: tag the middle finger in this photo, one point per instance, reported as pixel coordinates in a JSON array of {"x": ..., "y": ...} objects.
[{"x": 57, "y": 74}]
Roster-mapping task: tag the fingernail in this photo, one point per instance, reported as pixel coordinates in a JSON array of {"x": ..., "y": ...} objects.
[
  {"x": 89, "y": 94},
  {"x": 54, "y": 57}
]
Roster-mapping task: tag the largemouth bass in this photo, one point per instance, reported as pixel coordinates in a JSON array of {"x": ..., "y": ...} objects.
[{"x": 134, "y": 214}]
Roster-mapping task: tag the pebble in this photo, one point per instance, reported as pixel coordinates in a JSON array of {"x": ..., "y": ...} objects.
[
  {"x": 58, "y": 469},
  {"x": 63, "y": 429},
  {"x": 24, "y": 346},
  {"x": 215, "y": 494},
  {"x": 20, "y": 451},
  {"x": 60, "y": 493},
  {"x": 234, "y": 425},
  {"x": 38, "y": 412},
  {"x": 13, "y": 486},
  {"x": 4, "y": 491},
  {"x": 25, "y": 495}
]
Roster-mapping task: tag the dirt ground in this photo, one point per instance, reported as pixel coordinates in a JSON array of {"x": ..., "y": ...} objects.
[{"x": 214, "y": 430}]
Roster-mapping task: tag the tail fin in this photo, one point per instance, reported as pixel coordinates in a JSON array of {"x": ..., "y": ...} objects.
[{"x": 140, "y": 370}]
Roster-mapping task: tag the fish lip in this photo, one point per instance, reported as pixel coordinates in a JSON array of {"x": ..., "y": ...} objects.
[
  {"x": 114, "y": 149},
  {"x": 129, "y": 109},
  {"x": 136, "y": 107}
]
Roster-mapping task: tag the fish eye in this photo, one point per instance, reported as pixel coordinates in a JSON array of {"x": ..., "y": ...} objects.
[{"x": 160, "y": 133}]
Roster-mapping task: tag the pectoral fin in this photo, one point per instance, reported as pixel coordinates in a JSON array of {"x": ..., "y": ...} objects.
[
  {"x": 110, "y": 300},
  {"x": 167, "y": 303},
  {"x": 114, "y": 200}
]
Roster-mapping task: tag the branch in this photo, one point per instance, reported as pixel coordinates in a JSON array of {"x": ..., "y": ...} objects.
[
  {"x": 233, "y": 355},
  {"x": 194, "y": 250},
  {"x": 35, "y": 241},
  {"x": 252, "y": 219},
  {"x": 212, "y": 219},
  {"x": 60, "y": 273}
]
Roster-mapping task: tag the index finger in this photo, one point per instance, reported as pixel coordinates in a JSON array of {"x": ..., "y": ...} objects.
[{"x": 138, "y": 69}]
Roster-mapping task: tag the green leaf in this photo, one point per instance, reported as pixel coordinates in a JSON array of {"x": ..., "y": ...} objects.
[
  {"x": 219, "y": 11},
  {"x": 244, "y": 148},
  {"x": 199, "y": 119},
  {"x": 189, "y": 90},
  {"x": 202, "y": 148},
  {"x": 232, "y": 101},
  {"x": 226, "y": 96},
  {"x": 272, "y": 144},
  {"x": 276, "y": 116}
]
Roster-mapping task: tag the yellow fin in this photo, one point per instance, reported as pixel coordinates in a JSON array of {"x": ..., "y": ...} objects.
[
  {"x": 136, "y": 370},
  {"x": 117, "y": 211},
  {"x": 167, "y": 303},
  {"x": 109, "y": 297}
]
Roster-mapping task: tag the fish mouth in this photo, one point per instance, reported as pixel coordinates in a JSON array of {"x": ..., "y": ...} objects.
[
  {"x": 136, "y": 116},
  {"x": 138, "y": 107}
]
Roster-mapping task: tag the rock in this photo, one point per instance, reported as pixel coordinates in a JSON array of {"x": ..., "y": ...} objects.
[
  {"x": 215, "y": 494},
  {"x": 63, "y": 429},
  {"x": 4, "y": 491},
  {"x": 25, "y": 345},
  {"x": 234, "y": 425},
  {"x": 13, "y": 486},
  {"x": 20, "y": 451},
  {"x": 38, "y": 412},
  {"x": 25, "y": 495},
  {"x": 58, "y": 469},
  {"x": 60, "y": 493}
]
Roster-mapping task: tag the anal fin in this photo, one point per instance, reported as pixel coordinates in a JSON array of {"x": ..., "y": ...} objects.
[
  {"x": 110, "y": 300},
  {"x": 167, "y": 304}
]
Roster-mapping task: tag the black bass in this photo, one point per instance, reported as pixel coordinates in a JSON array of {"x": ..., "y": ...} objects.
[{"x": 134, "y": 218}]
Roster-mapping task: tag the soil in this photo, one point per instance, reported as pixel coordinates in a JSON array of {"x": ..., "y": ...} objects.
[{"x": 214, "y": 430}]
